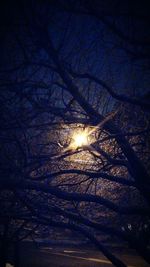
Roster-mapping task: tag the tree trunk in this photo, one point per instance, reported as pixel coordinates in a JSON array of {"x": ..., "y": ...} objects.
[
  {"x": 16, "y": 254},
  {"x": 3, "y": 253}
]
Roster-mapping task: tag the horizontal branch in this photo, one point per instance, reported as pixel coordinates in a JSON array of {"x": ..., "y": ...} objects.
[
  {"x": 120, "y": 97},
  {"x": 103, "y": 175},
  {"x": 79, "y": 197}
]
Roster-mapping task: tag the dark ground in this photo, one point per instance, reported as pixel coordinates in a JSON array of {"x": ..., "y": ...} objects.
[{"x": 62, "y": 256}]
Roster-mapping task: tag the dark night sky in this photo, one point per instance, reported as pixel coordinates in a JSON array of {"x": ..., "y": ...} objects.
[{"x": 86, "y": 42}]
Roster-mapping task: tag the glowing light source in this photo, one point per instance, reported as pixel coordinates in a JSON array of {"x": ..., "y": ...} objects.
[{"x": 79, "y": 139}]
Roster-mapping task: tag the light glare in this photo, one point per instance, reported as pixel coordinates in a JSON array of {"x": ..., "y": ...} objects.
[{"x": 80, "y": 139}]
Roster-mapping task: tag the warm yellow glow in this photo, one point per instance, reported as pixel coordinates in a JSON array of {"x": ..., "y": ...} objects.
[{"x": 79, "y": 139}]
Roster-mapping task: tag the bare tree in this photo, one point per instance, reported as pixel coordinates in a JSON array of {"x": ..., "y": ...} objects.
[{"x": 61, "y": 81}]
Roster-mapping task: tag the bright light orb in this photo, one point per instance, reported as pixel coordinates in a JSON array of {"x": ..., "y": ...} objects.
[{"x": 80, "y": 139}]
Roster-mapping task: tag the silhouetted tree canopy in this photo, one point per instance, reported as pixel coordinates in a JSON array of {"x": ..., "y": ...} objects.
[{"x": 69, "y": 67}]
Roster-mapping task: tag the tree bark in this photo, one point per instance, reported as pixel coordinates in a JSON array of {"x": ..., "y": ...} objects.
[
  {"x": 3, "y": 254},
  {"x": 16, "y": 254}
]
